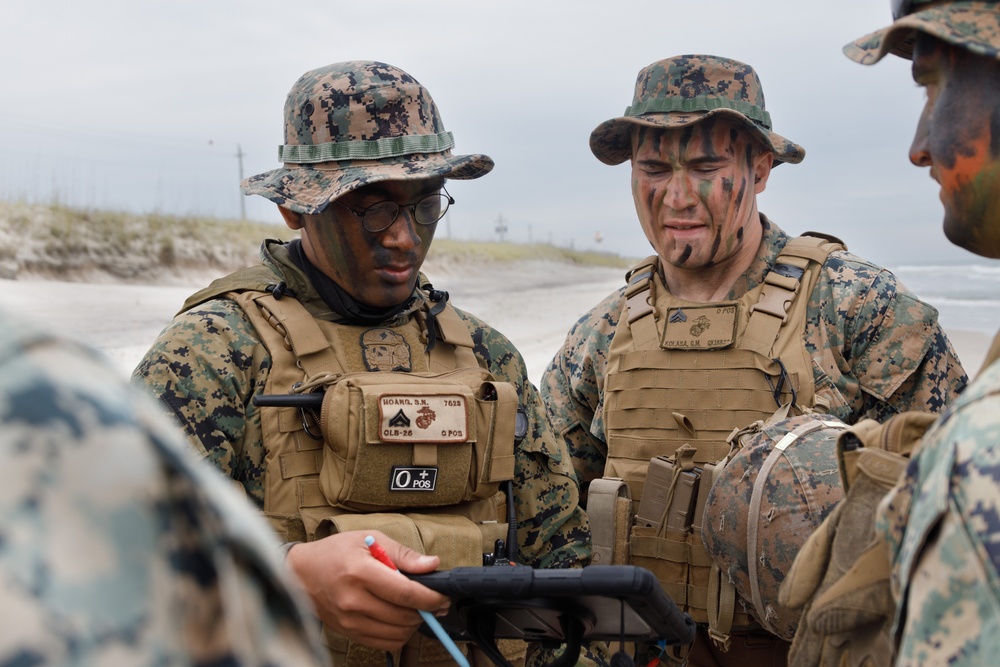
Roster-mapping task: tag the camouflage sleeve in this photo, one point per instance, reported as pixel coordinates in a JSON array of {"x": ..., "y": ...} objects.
[
  {"x": 116, "y": 547},
  {"x": 883, "y": 347},
  {"x": 553, "y": 530},
  {"x": 572, "y": 389},
  {"x": 204, "y": 367},
  {"x": 944, "y": 535}
]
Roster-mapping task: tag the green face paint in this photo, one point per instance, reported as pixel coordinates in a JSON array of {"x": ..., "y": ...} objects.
[
  {"x": 692, "y": 188},
  {"x": 958, "y": 137}
]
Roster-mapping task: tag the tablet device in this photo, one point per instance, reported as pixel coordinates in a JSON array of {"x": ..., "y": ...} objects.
[{"x": 599, "y": 602}]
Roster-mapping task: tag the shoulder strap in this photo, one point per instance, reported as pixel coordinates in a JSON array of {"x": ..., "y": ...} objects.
[
  {"x": 312, "y": 349},
  {"x": 639, "y": 298},
  {"x": 254, "y": 278},
  {"x": 797, "y": 264},
  {"x": 317, "y": 355}
]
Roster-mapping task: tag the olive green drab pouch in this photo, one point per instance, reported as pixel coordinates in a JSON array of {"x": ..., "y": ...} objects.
[{"x": 397, "y": 440}]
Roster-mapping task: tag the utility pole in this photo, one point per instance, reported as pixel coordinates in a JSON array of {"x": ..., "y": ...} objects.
[
  {"x": 501, "y": 228},
  {"x": 243, "y": 206}
]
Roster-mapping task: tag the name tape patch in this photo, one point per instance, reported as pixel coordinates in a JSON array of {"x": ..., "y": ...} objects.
[
  {"x": 413, "y": 479},
  {"x": 423, "y": 419},
  {"x": 701, "y": 327}
]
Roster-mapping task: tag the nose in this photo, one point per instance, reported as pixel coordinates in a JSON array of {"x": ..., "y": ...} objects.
[
  {"x": 920, "y": 154},
  {"x": 679, "y": 193},
  {"x": 402, "y": 233}
]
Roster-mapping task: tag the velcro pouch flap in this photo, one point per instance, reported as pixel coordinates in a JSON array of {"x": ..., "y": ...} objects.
[
  {"x": 398, "y": 527},
  {"x": 456, "y": 540},
  {"x": 401, "y": 440}
]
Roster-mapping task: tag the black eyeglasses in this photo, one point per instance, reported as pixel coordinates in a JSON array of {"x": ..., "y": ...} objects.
[{"x": 425, "y": 211}]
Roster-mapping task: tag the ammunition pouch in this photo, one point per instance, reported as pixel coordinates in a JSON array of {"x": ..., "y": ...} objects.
[{"x": 667, "y": 539}]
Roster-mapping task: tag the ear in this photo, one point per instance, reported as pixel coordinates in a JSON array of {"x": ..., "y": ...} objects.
[
  {"x": 762, "y": 170},
  {"x": 294, "y": 220}
]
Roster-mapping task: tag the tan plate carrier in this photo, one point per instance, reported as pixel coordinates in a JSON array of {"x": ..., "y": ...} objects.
[
  {"x": 682, "y": 378},
  {"x": 332, "y": 472}
]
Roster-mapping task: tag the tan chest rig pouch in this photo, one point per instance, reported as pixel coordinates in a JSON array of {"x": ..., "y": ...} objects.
[
  {"x": 402, "y": 440},
  {"x": 418, "y": 445},
  {"x": 682, "y": 378}
]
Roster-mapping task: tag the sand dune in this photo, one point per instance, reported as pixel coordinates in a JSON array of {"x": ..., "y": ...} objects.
[{"x": 533, "y": 303}]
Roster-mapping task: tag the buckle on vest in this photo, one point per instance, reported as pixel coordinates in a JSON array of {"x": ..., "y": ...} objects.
[
  {"x": 775, "y": 300},
  {"x": 721, "y": 639}
]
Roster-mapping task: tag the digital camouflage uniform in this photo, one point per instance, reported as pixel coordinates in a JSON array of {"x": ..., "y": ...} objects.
[
  {"x": 941, "y": 520},
  {"x": 116, "y": 547},
  {"x": 350, "y": 125},
  {"x": 871, "y": 348},
  {"x": 202, "y": 368},
  {"x": 858, "y": 317}
]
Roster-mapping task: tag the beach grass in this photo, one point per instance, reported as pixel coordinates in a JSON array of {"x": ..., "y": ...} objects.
[{"x": 60, "y": 242}]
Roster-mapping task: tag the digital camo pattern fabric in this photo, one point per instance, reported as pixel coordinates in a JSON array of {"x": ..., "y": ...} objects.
[
  {"x": 202, "y": 368},
  {"x": 942, "y": 524},
  {"x": 116, "y": 546},
  {"x": 877, "y": 350},
  {"x": 973, "y": 25},
  {"x": 797, "y": 487},
  {"x": 681, "y": 90},
  {"x": 354, "y": 123}
]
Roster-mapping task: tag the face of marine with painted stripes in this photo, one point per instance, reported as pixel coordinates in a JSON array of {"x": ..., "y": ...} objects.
[{"x": 695, "y": 191}]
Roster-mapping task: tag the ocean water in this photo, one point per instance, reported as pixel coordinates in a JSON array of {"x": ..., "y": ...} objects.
[{"x": 967, "y": 296}]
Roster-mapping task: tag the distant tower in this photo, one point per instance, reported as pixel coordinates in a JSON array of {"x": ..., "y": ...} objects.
[
  {"x": 501, "y": 228},
  {"x": 243, "y": 206}
]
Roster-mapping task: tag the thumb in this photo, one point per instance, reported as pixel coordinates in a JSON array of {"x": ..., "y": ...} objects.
[{"x": 408, "y": 560}]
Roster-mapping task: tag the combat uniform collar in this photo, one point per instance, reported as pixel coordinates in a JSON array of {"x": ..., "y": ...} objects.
[
  {"x": 277, "y": 257},
  {"x": 771, "y": 243}
]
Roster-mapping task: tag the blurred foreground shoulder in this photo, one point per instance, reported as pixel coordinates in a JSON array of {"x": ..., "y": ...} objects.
[{"x": 116, "y": 547}]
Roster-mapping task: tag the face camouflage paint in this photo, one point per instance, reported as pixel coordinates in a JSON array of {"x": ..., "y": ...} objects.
[
  {"x": 958, "y": 137},
  {"x": 690, "y": 189}
]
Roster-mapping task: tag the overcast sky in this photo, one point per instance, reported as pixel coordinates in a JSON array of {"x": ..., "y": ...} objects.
[{"x": 141, "y": 105}]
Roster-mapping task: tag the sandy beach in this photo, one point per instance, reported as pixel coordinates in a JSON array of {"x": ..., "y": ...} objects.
[{"x": 532, "y": 303}]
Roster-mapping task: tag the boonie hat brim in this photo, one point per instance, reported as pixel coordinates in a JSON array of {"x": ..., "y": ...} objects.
[
  {"x": 972, "y": 25},
  {"x": 611, "y": 141},
  {"x": 309, "y": 188}
]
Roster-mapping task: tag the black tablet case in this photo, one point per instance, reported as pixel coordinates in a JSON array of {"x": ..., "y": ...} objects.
[{"x": 611, "y": 601}]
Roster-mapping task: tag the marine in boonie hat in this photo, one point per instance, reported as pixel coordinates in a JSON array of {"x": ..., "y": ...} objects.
[
  {"x": 354, "y": 123},
  {"x": 973, "y": 25},
  {"x": 687, "y": 89}
]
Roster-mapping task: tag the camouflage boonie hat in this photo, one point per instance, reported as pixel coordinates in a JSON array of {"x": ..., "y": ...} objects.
[
  {"x": 768, "y": 499},
  {"x": 354, "y": 123},
  {"x": 971, "y": 25},
  {"x": 687, "y": 89}
]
